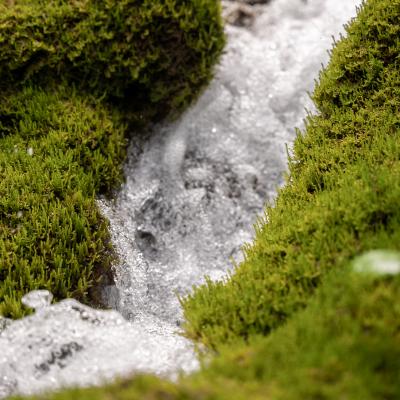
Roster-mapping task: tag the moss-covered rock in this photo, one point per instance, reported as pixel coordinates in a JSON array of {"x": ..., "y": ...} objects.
[
  {"x": 73, "y": 74},
  {"x": 341, "y": 196},
  {"x": 153, "y": 54}
]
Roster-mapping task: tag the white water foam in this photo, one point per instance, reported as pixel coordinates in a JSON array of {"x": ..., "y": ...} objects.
[{"x": 193, "y": 192}]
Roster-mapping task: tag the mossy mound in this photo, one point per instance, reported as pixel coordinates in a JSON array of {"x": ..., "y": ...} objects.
[
  {"x": 152, "y": 54},
  {"x": 345, "y": 344},
  {"x": 73, "y": 75},
  {"x": 342, "y": 192},
  {"x": 57, "y": 150}
]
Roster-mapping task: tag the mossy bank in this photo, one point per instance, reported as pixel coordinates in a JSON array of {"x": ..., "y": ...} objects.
[
  {"x": 294, "y": 320},
  {"x": 342, "y": 192},
  {"x": 76, "y": 77}
]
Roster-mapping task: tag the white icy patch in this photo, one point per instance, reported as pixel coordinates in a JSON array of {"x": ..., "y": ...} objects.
[
  {"x": 378, "y": 262},
  {"x": 37, "y": 299},
  {"x": 193, "y": 191},
  {"x": 69, "y": 343}
]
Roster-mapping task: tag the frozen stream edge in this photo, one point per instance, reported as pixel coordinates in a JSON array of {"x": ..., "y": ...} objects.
[{"x": 191, "y": 196}]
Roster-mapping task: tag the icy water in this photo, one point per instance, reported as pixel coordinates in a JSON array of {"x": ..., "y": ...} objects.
[{"x": 192, "y": 194}]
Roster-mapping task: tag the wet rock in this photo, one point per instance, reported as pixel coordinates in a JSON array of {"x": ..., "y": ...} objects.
[
  {"x": 58, "y": 357},
  {"x": 147, "y": 243},
  {"x": 241, "y": 12},
  {"x": 238, "y": 14},
  {"x": 4, "y": 323},
  {"x": 252, "y": 2}
]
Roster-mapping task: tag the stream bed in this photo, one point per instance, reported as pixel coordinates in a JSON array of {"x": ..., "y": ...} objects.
[{"x": 194, "y": 189}]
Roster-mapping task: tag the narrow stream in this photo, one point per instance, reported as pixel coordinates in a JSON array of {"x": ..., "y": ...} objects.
[{"x": 193, "y": 191}]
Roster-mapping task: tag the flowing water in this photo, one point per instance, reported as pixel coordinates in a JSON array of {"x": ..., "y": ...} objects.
[{"x": 193, "y": 191}]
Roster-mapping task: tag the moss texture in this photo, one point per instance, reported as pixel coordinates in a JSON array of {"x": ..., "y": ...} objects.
[
  {"x": 57, "y": 150},
  {"x": 341, "y": 196},
  {"x": 152, "y": 54},
  {"x": 73, "y": 74}
]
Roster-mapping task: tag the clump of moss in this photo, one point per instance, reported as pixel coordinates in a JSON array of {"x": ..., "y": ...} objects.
[
  {"x": 73, "y": 75},
  {"x": 341, "y": 196},
  {"x": 153, "y": 55},
  {"x": 345, "y": 344},
  {"x": 57, "y": 150}
]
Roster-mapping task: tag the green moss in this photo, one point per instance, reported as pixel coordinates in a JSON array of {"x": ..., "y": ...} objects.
[
  {"x": 345, "y": 344},
  {"x": 153, "y": 55},
  {"x": 57, "y": 150},
  {"x": 73, "y": 74},
  {"x": 341, "y": 196}
]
